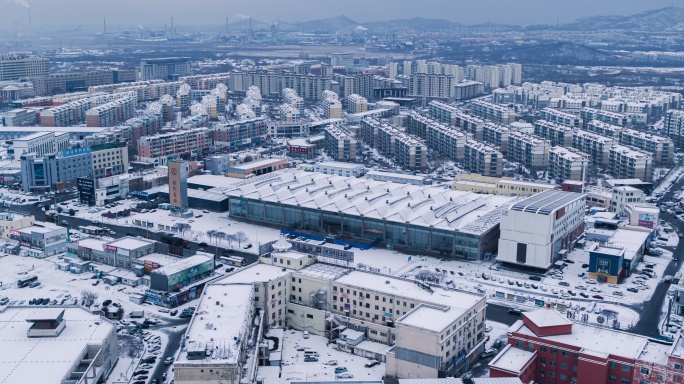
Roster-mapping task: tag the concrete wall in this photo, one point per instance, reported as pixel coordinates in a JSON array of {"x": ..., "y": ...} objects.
[{"x": 306, "y": 319}]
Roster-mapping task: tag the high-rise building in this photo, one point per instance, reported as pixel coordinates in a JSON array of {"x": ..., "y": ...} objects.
[
  {"x": 71, "y": 82},
  {"x": 674, "y": 127},
  {"x": 344, "y": 59},
  {"x": 14, "y": 66},
  {"x": 332, "y": 107},
  {"x": 393, "y": 69},
  {"x": 356, "y": 104},
  {"x": 169, "y": 68},
  {"x": 557, "y": 134},
  {"x": 340, "y": 144},
  {"x": 482, "y": 159},
  {"x": 528, "y": 150}
]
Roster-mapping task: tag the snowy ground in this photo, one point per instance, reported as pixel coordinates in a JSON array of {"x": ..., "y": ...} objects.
[
  {"x": 671, "y": 178},
  {"x": 295, "y": 369}
]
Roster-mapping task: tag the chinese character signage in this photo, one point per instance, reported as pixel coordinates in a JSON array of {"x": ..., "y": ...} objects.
[
  {"x": 110, "y": 247},
  {"x": 178, "y": 184}
]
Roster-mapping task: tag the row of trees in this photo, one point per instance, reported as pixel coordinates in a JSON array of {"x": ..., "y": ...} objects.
[{"x": 239, "y": 237}]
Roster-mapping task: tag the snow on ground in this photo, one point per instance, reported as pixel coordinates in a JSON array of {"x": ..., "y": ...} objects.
[
  {"x": 672, "y": 177},
  {"x": 293, "y": 367}
]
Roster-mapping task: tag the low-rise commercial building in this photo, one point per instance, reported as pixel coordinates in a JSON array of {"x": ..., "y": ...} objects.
[
  {"x": 340, "y": 169},
  {"x": 257, "y": 168},
  {"x": 41, "y": 239},
  {"x": 498, "y": 186},
  {"x": 539, "y": 230},
  {"x": 13, "y": 222}
]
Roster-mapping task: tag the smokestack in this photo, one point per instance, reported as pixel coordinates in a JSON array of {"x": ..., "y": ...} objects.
[
  {"x": 165, "y": 30},
  {"x": 251, "y": 35},
  {"x": 104, "y": 21},
  {"x": 226, "y": 25},
  {"x": 30, "y": 22},
  {"x": 172, "y": 30}
]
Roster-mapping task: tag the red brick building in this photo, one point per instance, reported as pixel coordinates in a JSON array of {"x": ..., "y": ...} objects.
[{"x": 547, "y": 348}]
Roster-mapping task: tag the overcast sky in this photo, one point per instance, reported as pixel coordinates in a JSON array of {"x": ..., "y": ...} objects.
[{"x": 70, "y": 13}]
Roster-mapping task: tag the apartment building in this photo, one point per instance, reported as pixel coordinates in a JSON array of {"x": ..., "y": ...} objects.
[
  {"x": 14, "y": 67},
  {"x": 168, "y": 68},
  {"x": 145, "y": 125},
  {"x": 162, "y": 148},
  {"x": 206, "y": 82},
  {"x": 470, "y": 124},
  {"x": 332, "y": 107},
  {"x": 530, "y": 151},
  {"x": 241, "y": 133},
  {"x": 291, "y": 98},
  {"x": 588, "y": 114},
  {"x": 596, "y": 146},
  {"x": 71, "y": 81},
  {"x": 482, "y": 159},
  {"x": 468, "y": 89},
  {"x": 495, "y": 113},
  {"x": 434, "y": 86},
  {"x": 55, "y": 171},
  {"x": 443, "y": 112},
  {"x": 674, "y": 127},
  {"x": 560, "y": 117},
  {"x": 496, "y": 136},
  {"x": 604, "y": 129},
  {"x": 567, "y": 164},
  {"x": 67, "y": 114},
  {"x": 443, "y": 138},
  {"x": 340, "y": 144},
  {"x": 661, "y": 148},
  {"x": 356, "y": 104},
  {"x": 628, "y": 163},
  {"x": 557, "y": 134},
  {"x": 19, "y": 118},
  {"x": 540, "y": 229},
  {"x": 111, "y": 113}
]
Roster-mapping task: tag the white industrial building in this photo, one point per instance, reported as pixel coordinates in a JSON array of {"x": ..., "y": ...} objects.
[
  {"x": 340, "y": 168},
  {"x": 539, "y": 230}
]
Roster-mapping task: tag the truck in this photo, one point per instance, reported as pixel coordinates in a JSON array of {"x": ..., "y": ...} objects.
[{"x": 138, "y": 313}]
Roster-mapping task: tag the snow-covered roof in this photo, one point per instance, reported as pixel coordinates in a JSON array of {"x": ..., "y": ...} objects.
[
  {"x": 130, "y": 242},
  {"x": 213, "y": 181},
  {"x": 604, "y": 341},
  {"x": 255, "y": 273},
  {"x": 46, "y": 359},
  {"x": 183, "y": 264},
  {"x": 460, "y": 301},
  {"x": 218, "y": 323},
  {"x": 431, "y": 318},
  {"x": 423, "y": 206},
  {"x": 512, "y": 359},
  {"x": 323, "y": 271},
  {"x": 546, "y": 317}
]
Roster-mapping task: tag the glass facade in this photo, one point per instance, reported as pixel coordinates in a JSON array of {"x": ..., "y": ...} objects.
[{"x": 400, "y": 234}]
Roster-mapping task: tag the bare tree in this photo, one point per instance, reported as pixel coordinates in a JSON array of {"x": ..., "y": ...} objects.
[
  {"x": 241, "y": 237},
  {"x": 220, "y": 236},
  {"x": 230, "y": 238},
  {"x": 89, "y": 297},
  {"x": 211, "y": 234},
  {"x": 182, "y": 228}
]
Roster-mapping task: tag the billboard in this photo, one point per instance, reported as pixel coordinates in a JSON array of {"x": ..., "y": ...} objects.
[
  {"x": 646, "y": 220},
  {"x": 182, "y": 278},
  {"x": 178, "y": 185},
  {"x": 110, "y": 247}
]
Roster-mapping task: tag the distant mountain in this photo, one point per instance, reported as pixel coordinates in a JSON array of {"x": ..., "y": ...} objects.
[
  {"x": 416, "y": 23},
  {"x": 339, "y": 23},
  {"x": 670, "y": 18}
]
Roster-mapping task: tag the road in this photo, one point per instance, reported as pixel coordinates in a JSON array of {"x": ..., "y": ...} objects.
[
  {"x": 175, "y": 336},
  {"x": 649, "y": 322},
  {"x": 499, "y": 313}
]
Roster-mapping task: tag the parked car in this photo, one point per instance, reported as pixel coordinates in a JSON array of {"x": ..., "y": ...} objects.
[
  {"x": 173, "y": 312},
  {"x": 515, "y": 312},
  {"x": 584, "y": 295},
  {"x": 345, "y": 375},
  {"x": 34, "y": 284},
  {"x": 618, "y": 293},
  {"x": 564, "y": 283},
  {"x": 371, "y": 364},
  {"x": 340, "y": 369},
  {"x": 585, "y": 265},
  {"x": 632, "y": 289},
  {"x": 169, "y": 360},
  {"x": 331, "y": 362},
  {"x": 488, "y": 353},
  {"x": 535, "y": 278}
]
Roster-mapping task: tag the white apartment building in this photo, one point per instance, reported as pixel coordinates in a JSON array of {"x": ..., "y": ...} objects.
[
  {"x": 489, "y": 111},
  {"x": 332, "y": 107},
  {"x": 662, "y": 148},
  {"x": 560, "y": 117},
  {"x": 482, "y": 159},
  {"x": 528, "y": 150},
  {"x": 628, "y": 163},
  {"x": 539, "y": 230},
  {"x": 496, "y": 135},
  {"x": 290, "y": 97},
  {"x": 588, "y": 114},
  {"x": 557, "y": 134},
  {"x": 356, "y": 104},
  {"x": 596, "y": 146},
  {"x": 604, "y": 129},
  {"x": 567, "y": 164},
  {"x": 674, "y": 127}
]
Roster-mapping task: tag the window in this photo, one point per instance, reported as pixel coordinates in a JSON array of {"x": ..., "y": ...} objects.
[
  {"x": 530, "y": 345},
  {"x": 613, "y": 365},
  {"x": 564, "y": 353},
  {"x": 563, "y": 377},
  {"x": 552, "y": 363},
  {"x": 309, "y": 316},
  {"x": 624, "y": 380},
  {"x": 290, "y": 311},
  {"x": 554, "y": 350},
  {"x": 678, "y": 367},
  {"x": 564, "y": 365},
  {"x": 542, "y": 348},
  {"x": 625, "y": 368},
  {"x": 612, "y": 377}
]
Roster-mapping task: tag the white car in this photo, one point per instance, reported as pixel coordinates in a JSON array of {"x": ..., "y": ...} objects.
[
  {"x": 554, "y": 291},
  {"x": 164, "y": 310},
  {"x": 488, "y": 328},
  {"x": 592, "y": 282}
]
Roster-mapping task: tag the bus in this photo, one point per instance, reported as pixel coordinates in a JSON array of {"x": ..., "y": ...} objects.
[
  {"x": 677, "y": 278},
  {"x": 235, "y": 261},
  {"x": 21, "y": 283},
  {"x": 92, "y": 230}
]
